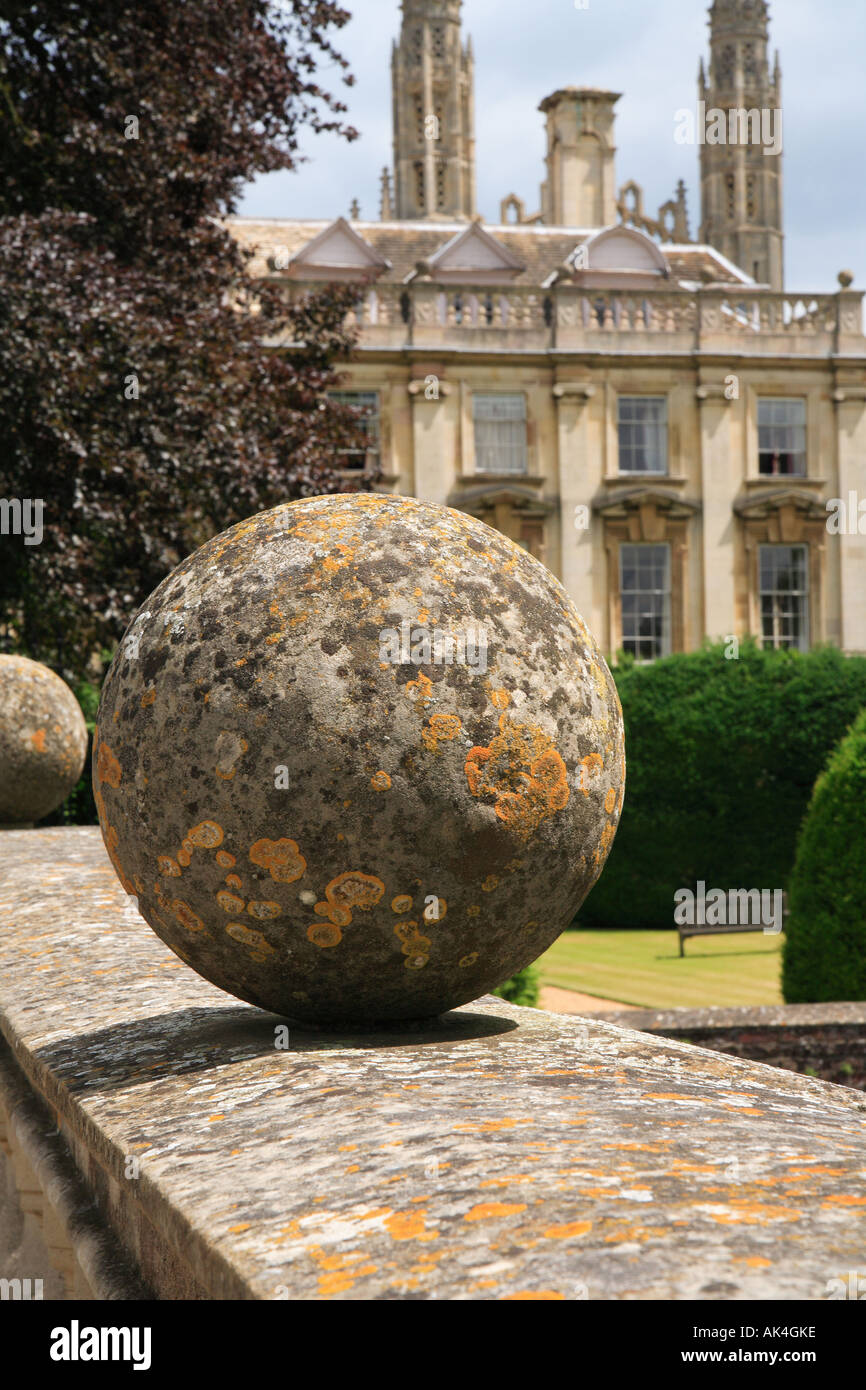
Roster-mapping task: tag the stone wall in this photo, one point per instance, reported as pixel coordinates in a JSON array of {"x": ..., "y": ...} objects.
[
  {"x": 822, "y": 1040},
  {"x": 194, "y": 1151}
]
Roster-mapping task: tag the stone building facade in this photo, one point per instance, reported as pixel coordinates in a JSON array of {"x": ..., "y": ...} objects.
[{"x": 660, "y": 424}]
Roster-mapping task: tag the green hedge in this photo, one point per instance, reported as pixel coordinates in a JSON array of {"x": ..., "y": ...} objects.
[
  {"x": 522, "y": 988},
  {"x": 79, "y": 808},
  {"x": 721, "y": 757},
  {"x": 824, "y": 953}
]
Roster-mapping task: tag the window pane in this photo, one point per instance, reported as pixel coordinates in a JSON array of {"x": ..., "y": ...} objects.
[
  {"x": 782, "y": 436},
  {"x": 367, "y": 405},
  {"x": 645, "y": 593},
  {"x": 500, "y": 433},
  {"x": 643, "y": 434},
  {"x": 784, "y": 596}
]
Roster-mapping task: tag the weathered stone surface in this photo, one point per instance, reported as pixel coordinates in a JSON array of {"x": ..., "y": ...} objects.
[
  {"x": 503, "y": 1153},
  {"x": 825, "y": 1040},
  {"x": 323, "y": 830},
  {"x": 43, "y": 740}
]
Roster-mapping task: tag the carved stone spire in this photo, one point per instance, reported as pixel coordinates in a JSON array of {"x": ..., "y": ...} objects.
[{"x": 433, "y": 114}]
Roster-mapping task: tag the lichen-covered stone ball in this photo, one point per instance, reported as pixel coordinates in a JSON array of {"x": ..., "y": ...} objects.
[
  {"x": 359, "y": 759},
  {"x": 43, "y": 740}
]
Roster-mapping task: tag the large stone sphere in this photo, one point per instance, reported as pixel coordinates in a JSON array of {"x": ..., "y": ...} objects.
[
  {"x": 359, "y": 759},
  {"x": 43, "y": 740}
]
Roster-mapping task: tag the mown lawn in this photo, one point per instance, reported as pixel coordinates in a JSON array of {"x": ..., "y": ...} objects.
[{"x": 644, "y": 967}]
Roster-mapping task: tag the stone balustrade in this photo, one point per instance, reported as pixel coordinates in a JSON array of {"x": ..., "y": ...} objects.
[
  {"x": 500, "y": 1154},
  {"x": 569, "y": 317}
]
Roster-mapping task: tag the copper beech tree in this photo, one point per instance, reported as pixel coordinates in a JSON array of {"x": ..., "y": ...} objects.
[{"x": 137, "y": 399}]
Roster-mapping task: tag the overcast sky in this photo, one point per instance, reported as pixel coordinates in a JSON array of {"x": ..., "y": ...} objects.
[{"x": 525, "y": 49}]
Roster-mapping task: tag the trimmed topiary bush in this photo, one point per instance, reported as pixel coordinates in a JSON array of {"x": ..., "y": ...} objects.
[
  {"x": 721, "y": 758},
  {"x": 824, "y": 953}
]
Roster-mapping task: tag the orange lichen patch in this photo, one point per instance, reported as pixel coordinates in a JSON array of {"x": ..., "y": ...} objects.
[
  {"x": 466, "y": 961},
  {"x": 111, "y": 839},
  {"x": 380, "y": 781},
  {"x": 38, "y": 740},
  {"x": 570, "y": 1231},
  {"x": 507, "y": 1179},
  {"x": 206, "y": 835},
  {"x": 420, "y": 692},
  {"x": 473, "y": 911},
  {"x": 676, "y": 1095},
  {"x": 148, "y": 697},
  {"x": 260, "y": 948},
  {"x": 485, "y": 1211},
  {"x": 229, "y": 747},
  {"x": 347, "y": 891},
  {"x": 843, "y": 1200},
  {"x": 324, "y": 934},
  {"x": 744, "y": 1212},
  {"x": 590, "y": 766},
  {"x": 185, "y": 915},
  {"x": 409, "y": 1225},
  {"x": 490, "y": 883},
  {"x": 415, "y": 946},
  {"x": 233, "y": 881},
  {"x": 499, "y": 698},
  {"x": 610, "y": 800},
  {"x": 630, "y": 1233},
  {"x": 440, "y": 726},
  {"x": 108, "y": 769},
  {"x": 280, "y": 857},
  {"x": 168, "y": 866},
  {"x": 595, "y": 672},
  {"x": 184, "y": 857},
  {"x": 342, "y": 1271},
  {"x": 487, "y": 1126},
  {"x": 402, "y": 903},
  {"x": 534, "y": 1296},
  {"x": 523, "y": 771},
  {"x": 230, "y": 902},
  {"x": 263, "y": 909},
  {"x": 226, "y": 861},
  {"x": 605, "y": 842},
  {"x": 644, "y": 1148}
]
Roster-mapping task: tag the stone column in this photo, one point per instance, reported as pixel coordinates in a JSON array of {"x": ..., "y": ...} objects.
[
  {"x": 435, "y": 432},
  {"x": 719, "y": 486},
  {"x": 581, "y": 547},
  {"x": 851, "y": 544}
]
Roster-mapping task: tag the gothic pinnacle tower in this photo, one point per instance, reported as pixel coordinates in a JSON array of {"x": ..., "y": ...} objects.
[
  {"x": 741, "y": 179},
  {"x": 434, "y": 118}
]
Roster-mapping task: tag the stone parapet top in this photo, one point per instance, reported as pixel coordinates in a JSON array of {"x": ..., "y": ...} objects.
[
  {"x": 506, "y": 1153},
  {"x": 743, "y": 1016}
]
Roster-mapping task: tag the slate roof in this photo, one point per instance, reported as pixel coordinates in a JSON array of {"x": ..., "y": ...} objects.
[{"x": 541, "y": 249}]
